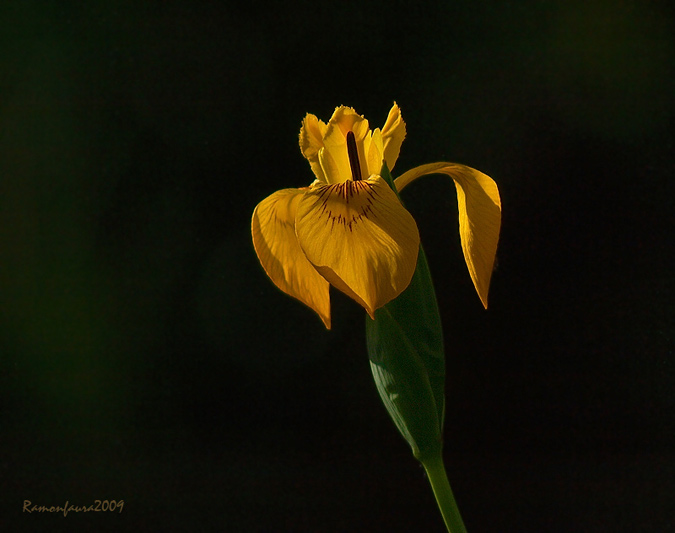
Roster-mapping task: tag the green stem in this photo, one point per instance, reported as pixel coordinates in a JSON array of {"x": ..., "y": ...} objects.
[{"x": 444, "y": 497}]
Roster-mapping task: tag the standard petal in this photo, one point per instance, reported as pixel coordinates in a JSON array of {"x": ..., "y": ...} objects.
[
  {"x": 480, "y": 212},
  {"x": 275, "y": 242},
  {"x": 393, "y": 134},
  {"x": 360, "y": 238},
  {"x": 374, "y": 150},
  {"x": 311, "y": 141},
  {"x": 347, "y": 119},
  {"x": 334, "y": 156}
]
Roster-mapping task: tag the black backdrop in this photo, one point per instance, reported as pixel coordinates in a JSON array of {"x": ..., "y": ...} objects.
[{"x": 145, "y": 356}]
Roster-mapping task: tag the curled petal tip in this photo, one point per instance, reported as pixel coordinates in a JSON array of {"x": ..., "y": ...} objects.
[{"x": 480, "y": 211}]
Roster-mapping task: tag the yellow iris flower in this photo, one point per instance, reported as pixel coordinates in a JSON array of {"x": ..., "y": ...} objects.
[{"x": 349, "y": 229}]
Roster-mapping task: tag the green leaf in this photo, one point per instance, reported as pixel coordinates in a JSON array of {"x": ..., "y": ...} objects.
[
  {"x": 388, "y": 178},
  {"x": 405, "y": 347}
]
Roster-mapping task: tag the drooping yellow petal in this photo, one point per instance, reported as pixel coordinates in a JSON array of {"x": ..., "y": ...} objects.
[
  {"x": 275, "y": 242},
  {"x": 360, "y": 238},
  {"x": 393, "y": 134},
  {"x": 480, "y": 214},
  {"x": 311, "y": 141}
]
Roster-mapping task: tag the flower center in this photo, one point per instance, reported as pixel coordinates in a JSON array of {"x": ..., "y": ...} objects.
[{"x": 353, "y": 156}]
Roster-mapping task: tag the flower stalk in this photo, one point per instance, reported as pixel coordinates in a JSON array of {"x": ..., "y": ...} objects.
[
  {"x": 438, "y": 478},
  {"x": 407, "y": 358}
]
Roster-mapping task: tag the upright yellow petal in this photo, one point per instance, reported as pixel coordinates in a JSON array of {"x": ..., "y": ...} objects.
[
  {"x": 275, "y": 242},
  {"x": 393, "y": 134},
  {"x": 374, "y": 151},
  {"x": 311, "y": 141},
  {"x": 347, "y": 119},
  {"x": 480, "y": 212},
  {"x": 360, "y": 238},
  {"x": 334, "y": 156}
]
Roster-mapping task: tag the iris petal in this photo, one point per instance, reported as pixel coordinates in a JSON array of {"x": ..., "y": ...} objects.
[
  {"x": 393, "y": 134},
  {"x": 373, "y": 149},
  {"x": 479, "y": 217},
  {"x": 334, "y": 156},
  {"x": 347, "y": 119},
  {"x": 275, "y": 243},
  {"x": 311, "y": 141},
  {"x": 360, "y": 238}
]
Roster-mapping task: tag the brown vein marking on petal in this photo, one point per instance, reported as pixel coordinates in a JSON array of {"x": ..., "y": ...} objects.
[
  {"x": 282, "y": 222},
  {"x": 353, "y": 200}
]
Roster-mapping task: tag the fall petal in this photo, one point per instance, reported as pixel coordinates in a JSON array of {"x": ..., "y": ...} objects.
[
  {"x": 275, "y": 243},
  {"x": 360, "y": 238},
  {"x": 479, "y": 217}
]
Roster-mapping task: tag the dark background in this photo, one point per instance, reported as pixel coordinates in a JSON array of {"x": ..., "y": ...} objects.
[{"x": 145, "y": 356}]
